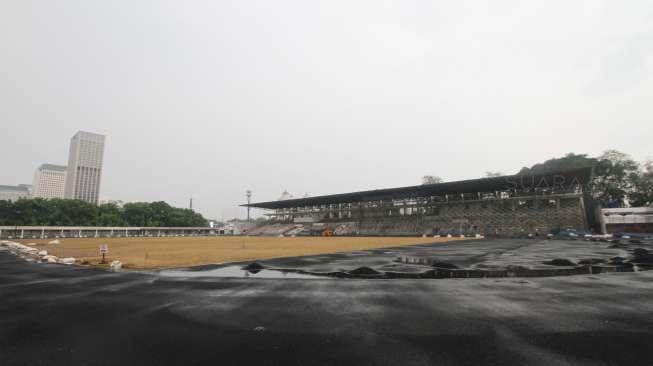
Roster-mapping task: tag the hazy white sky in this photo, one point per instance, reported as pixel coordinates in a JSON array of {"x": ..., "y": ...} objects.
[{"x": 210, "y": 98}]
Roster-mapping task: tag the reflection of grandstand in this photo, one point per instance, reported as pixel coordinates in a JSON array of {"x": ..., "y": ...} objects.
[{"x": 498, "y": 205}]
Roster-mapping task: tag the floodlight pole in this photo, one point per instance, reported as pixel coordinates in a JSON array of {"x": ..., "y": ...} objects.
[{"x": 248, "y": 194}]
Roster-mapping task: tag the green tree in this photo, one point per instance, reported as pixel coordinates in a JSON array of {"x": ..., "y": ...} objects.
[
  {"x": 110, "y": 214},
  {"x": 567, "y": 162},
  {"x": 642, "y": 193},
  {"x": 137, "y": 214},
  {"x": 431, "y": 179},
  {"x": 33, "y": 212},
  {"x": 614, "y": 174},
  {"x": 66, "y": 212},
  {"x": 160, "y": 212},
  {"x": 8, "y": 215}
]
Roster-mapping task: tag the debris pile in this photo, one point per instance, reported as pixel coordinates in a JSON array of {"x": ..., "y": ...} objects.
[
  {"x": 365, "y": 271},
  {"x": 33, "y": 254},
  {"x": 641, "y": 255},
  {"x": 560, "y": 262},
  {"x": 253, "y": 268}
]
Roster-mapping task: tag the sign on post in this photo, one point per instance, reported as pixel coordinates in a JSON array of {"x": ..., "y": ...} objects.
[{"x": 104, "y": 249}]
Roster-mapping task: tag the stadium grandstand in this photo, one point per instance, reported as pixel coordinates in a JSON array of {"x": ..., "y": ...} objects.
[{"x": 538, "y": 204}]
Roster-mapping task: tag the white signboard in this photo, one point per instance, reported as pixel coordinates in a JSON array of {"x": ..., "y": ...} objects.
[{"x": 104, "y": 248}]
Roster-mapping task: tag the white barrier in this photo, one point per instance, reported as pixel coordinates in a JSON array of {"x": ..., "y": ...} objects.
[
  {"x": 50, "y": 259},
  {"x": 69, "y": 260},
  {"x": 34, "y": 253},
  {"x": 116, "y": 265}
]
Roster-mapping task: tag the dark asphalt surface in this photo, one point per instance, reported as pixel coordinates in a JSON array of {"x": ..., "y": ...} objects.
[
  {"x": 64, "y": 315},
  {"x": 471, "y": 254}
]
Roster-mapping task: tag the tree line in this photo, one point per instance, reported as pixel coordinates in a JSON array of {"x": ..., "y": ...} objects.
[{"x": 68, "y": 212}]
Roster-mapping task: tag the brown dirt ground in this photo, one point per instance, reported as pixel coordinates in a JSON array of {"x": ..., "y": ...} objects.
[{"x": 191, "y": 251}]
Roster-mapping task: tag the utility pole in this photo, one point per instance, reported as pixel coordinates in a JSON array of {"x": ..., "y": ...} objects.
[
  {"x": 191, "y": 204},
  {"x": 248, "y": 194}
]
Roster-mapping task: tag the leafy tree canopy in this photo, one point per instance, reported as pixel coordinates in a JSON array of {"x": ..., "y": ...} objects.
[
  {"x": 66, "y": 212},
  {"x": 431, "y": 179},
  {"x": 567, "y": 162}
]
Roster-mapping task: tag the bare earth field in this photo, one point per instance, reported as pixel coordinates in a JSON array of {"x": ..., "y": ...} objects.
[{"x": 191, "y": 251}]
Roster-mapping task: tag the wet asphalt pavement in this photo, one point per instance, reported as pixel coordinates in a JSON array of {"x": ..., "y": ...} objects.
[
  {"x": 470, "y": 254},
  {"x": 65, "y": 315}
]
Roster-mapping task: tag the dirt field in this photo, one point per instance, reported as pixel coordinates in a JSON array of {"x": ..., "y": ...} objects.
[{"x": 191, "y": 251}]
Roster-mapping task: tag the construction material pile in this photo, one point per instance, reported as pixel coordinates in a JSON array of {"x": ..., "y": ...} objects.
[{"x": 33, "y": 254}]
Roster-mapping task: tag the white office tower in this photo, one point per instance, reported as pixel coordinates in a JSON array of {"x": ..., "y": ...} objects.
[
  {"x": 85, "y": 166},
  {"x": 49, "y": 181}
]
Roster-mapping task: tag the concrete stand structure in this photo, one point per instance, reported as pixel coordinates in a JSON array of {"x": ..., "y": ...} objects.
[{"x": 505, "y": 205}]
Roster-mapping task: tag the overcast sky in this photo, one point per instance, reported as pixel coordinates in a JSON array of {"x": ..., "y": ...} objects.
[{"x": 206, "y": 99}]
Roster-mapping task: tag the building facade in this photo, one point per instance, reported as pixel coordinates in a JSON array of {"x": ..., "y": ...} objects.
[
  {"x": 84, "y": 172},
  {"x": 14, "y": 193},
  {"x": 629, "y": 220},
  {"x": 49, "y": 181}
]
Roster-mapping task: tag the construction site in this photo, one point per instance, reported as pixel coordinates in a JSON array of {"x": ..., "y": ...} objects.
[
  {"x": 522, "y": 269},
  {"x": 504, "y": 206}
]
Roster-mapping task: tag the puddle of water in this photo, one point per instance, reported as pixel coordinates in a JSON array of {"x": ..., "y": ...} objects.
[{"x": 235, "y": 272}]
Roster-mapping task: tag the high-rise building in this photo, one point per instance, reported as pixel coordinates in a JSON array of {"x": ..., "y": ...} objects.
[
  {"x": 49, "y": 181},
  {"x": 14, "y": 193},
  {"x": 85, "y": 167}
]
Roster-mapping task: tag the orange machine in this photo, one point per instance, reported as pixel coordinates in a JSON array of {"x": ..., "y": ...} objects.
[{"x": 327, "y": 232}]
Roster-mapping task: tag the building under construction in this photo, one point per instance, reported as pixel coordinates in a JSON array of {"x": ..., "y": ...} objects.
[{"x": 508, "y": 205}]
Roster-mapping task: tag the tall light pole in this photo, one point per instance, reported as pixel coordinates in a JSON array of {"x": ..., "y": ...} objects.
[{"x": 248, "y": 194}]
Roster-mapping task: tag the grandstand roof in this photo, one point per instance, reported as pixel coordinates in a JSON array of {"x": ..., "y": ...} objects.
[{"x": 565, "y": 178}]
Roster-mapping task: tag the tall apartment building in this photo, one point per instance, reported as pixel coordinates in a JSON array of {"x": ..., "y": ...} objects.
[
  {"x": 49, "y": 181},
  {"x": 85, "y": 167}
]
